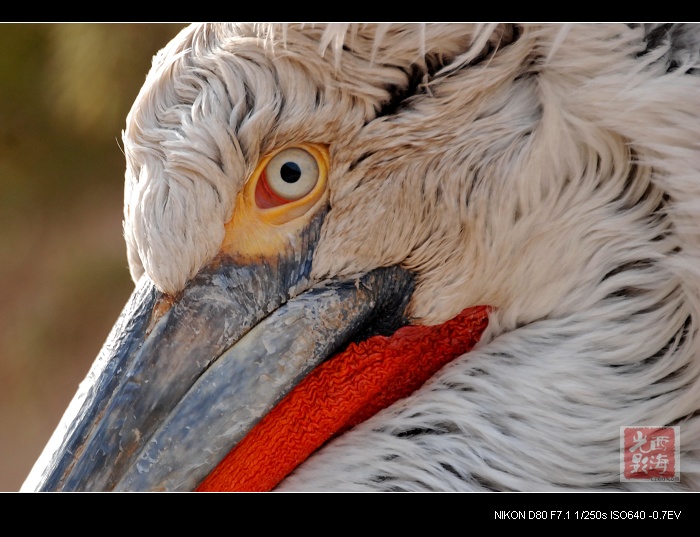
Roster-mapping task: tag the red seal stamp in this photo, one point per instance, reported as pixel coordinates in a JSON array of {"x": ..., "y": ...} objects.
[{"x": 650, "y": 454}]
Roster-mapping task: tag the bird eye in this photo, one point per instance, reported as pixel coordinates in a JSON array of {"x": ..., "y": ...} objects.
[{"x": 288, "y": 176}]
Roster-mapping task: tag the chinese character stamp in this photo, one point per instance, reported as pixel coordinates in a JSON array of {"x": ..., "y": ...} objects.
[{"x": 650, "y": 454}]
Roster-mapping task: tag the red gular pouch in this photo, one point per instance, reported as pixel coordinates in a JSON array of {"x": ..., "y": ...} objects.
[{"x": 342, "y": 392}]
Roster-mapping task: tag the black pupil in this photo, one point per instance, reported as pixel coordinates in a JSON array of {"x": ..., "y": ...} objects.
[{"x": 290, "y": 172}]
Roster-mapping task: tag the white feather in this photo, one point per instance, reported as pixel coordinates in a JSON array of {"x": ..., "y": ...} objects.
[{"x": 553, "y": 173}]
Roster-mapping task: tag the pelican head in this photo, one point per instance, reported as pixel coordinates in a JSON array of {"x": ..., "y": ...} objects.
[{"x": 292, "y": 190}]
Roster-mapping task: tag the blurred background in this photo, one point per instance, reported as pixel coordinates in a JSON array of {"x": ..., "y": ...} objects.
[{"x": 65, "y": 91}]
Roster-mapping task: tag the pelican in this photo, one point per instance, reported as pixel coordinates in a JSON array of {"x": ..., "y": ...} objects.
[{"x": 294, "y": 191}]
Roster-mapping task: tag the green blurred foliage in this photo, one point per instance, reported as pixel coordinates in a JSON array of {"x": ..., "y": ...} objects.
[{"x": 65, "y": 91}]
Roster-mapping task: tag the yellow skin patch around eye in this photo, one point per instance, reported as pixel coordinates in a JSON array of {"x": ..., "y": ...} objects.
[{"x": 254, "y": 234}]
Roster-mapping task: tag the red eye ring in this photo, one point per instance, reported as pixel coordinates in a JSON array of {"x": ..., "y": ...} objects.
[{"x": 265, "y": 198}]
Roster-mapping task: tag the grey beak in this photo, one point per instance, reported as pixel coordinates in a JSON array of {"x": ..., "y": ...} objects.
[{"x": 168, "y": 398}]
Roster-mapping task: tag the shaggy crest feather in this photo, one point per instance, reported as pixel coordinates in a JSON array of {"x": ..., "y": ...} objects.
[{"x": 551, "y": 172}]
